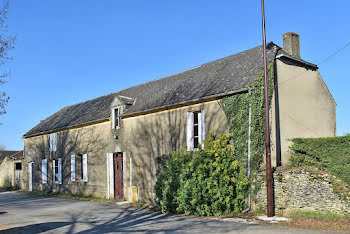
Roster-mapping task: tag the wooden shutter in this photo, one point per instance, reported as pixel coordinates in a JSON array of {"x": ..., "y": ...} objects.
[
  {"x": 53, "y": 142},
  {"x": 85, "y": 168},
  {"x": 110, "y": 176},
  {"x": 189, "y": 131},
  {"x": 44, "y": 171},
  {"x": 60, "y": 171},
  {"x": 72, "y": 168},
  {"x": 201, "y": 128},
  {"x": 53, "y": 170},
  {"x": 30, "y": 176}
]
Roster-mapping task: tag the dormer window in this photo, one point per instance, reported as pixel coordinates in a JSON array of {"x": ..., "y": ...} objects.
[{"x": 116, "y": 117}]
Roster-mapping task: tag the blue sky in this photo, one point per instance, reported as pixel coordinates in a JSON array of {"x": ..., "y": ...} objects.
[{"x": 71, "y": 51}]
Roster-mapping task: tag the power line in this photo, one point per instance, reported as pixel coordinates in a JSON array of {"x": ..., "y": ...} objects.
[
  {"x": 335, "y": 53},
  {"x": 324, "y": 60},
  {"x": 301, "y": 124}
]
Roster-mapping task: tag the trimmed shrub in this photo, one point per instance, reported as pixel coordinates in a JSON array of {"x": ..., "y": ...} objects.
[
  {"x": 204, "y": 182},
  {"x": 331, "y": 153}
]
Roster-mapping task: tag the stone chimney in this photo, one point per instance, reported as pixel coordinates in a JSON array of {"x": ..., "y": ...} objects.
[{"x": 291, "y": 44}]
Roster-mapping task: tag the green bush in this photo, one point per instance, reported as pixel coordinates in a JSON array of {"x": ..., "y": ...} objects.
[
  {"x": 203, "y": 182},
  {"x": 331, "y": 153}
]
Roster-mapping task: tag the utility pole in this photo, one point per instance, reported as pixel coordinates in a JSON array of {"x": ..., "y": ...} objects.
[{"x": 267, "y": 122}]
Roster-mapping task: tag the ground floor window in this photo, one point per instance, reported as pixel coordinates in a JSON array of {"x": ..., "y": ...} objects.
[
  {"x": 57, "y": 171},
  {"x": 18, "y": 166},
  {"x": 79, "y": 167}
]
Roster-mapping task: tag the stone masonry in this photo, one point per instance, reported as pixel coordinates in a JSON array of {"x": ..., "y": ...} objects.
[{"x": 304, "y": 189}]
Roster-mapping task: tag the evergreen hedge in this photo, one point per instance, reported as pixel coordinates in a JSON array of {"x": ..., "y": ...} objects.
[
  {"x": 203, "y": 182},
  {"x": 331, "y": 153}
]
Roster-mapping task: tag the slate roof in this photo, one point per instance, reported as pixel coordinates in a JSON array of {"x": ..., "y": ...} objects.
[
  {"x": 7, "y": 153},
  {"x": 217, "y": 77}
]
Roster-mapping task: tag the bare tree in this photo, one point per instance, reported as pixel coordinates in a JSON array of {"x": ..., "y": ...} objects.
[{"x": 6, "y": 44}]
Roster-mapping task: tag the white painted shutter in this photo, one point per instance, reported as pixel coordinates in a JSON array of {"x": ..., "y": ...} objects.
[
  {"x": 201, "y": 129},
  {"x": 53, "y": 142},
  {"x": 85, "y": 168},
  {"x": 60, "y": 170},
  {"x": 189, "y": 131},
  {"x": 53, "y": 170},
  {"x": 44, "y": 171},
  {"x": 110, "y": 176},
  {"x": 113, "y": 119},
  {"x": 108, "y": 191},
  {"x": 72, "y": 168},
  {"x": 30, "y": 176}
]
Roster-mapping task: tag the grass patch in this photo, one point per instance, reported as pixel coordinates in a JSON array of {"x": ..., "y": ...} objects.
[
  {"x": 326, "y": 221},
  {"x": 76, "y": 196},
  {"x": 319, "y": 215}
]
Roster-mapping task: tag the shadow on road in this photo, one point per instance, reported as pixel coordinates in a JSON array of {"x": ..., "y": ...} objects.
[{"x": 36, "y": 228}]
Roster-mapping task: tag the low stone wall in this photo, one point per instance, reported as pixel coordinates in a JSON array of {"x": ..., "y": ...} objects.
[{"x": 303, "y": 189}]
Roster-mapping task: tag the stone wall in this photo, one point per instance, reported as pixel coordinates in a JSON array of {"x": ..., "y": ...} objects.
[{"x": 303, "y": 189}]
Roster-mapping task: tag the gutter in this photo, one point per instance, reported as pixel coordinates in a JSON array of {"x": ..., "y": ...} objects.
[
  {"x": 66, "y": 128},
  {"x": 314, "y": 66},
  {"x": 144, "y": 112},
  {"x": 185, "y": 103}
]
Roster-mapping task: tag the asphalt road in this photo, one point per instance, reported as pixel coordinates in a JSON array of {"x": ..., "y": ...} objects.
[{"x": 23, "y": 213}]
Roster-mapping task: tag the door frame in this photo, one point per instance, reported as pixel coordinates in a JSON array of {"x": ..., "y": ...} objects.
[{"x": 110, "y": 175}]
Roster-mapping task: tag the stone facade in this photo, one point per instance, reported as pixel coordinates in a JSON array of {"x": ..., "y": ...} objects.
[
  {"x": 141, "y": 138},
  {"x": 304, "y": 189}
]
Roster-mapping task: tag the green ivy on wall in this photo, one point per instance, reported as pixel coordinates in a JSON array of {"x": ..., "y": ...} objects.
[{"x": 236, "y": 108}]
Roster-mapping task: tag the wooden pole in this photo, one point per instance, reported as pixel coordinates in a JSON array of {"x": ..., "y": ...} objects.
[{"x": 267, "y": 123}]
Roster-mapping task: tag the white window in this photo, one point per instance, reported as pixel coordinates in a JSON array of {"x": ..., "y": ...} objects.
[
  {"x": 79, "y": 167},
  {"x": 195, "y": 132},
  {"x": 53, "y": 142},
  {"x": 57, "y": 171},
  {"x": 116, "y": 117},
  {"x": 44, "y": 171}
]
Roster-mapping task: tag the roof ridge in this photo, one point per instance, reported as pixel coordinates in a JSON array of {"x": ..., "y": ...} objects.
[{"x": 151, "y": 84}]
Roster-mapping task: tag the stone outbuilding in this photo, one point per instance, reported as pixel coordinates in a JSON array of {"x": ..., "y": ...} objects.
[
  {"x": 109, "y": 146},
  {"x": 11, "y": 169}
]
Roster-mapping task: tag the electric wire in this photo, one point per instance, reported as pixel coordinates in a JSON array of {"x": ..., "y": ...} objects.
[{"x": 324, "y": 60}]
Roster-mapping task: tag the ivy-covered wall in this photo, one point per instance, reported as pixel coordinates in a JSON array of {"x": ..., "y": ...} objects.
[{"x": 236, "y": 108}]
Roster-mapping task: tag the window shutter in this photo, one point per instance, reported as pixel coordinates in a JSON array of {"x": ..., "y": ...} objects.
[
  {"x": 189, "y": 131},
  {"x": 85, "y": 168},
  {"x": 72, "y": 168},
  {"x": 113, "y": 118},
  {"x": 53, "y": 170},
  {"x": 110, "y": 176},
  {"x": 53, "y": 142},
  {"x": 60, "y": 170},
  {"x": 44, "y": 171},
  {"x": 201, "y": 134}
]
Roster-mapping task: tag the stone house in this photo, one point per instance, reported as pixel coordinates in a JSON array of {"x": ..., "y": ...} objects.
[
  {"x": 11, "y": 169},
  {"x": 109, "y": 144}
]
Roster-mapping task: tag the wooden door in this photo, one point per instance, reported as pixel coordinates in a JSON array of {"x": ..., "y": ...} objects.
[{"x": 118, "y": 176}]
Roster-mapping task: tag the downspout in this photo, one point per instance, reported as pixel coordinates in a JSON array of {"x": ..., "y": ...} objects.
[{"x": 249, "y": 152}]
